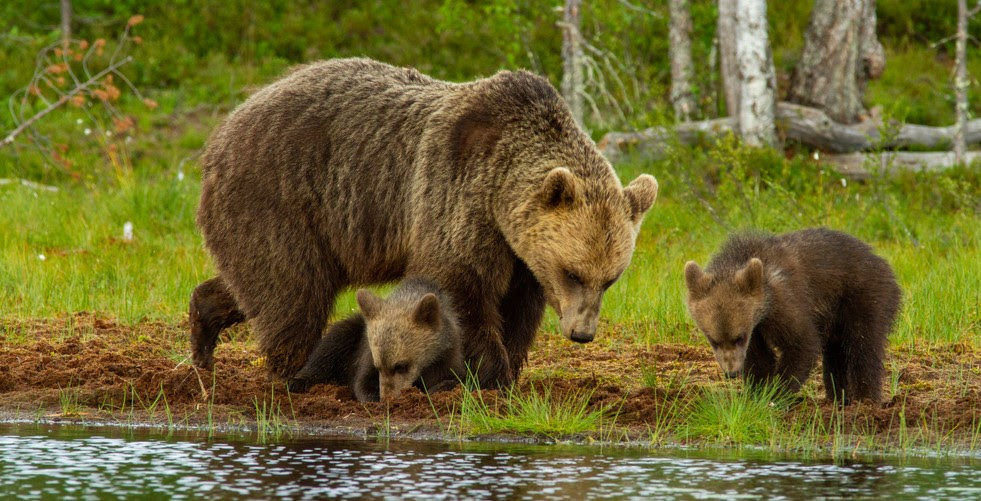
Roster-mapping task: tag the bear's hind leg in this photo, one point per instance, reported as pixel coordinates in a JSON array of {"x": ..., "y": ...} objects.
[
  {"x": 835, "y": 366},
  {"x": 866, "y": 323},
  {"x": 865, "y": 352},
  {"x": 286, "y": 284},
  {"x": 212, "y": 309}
]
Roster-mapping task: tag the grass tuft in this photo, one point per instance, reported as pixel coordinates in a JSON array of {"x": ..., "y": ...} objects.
[
  {"x": 732, "y": 414},
  {"x": 534, "y": 411}
]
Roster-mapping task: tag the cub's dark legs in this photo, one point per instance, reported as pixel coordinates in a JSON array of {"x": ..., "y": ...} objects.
[
  {"x": 212, "y": 309},
  {"x": 760, "y": 361},
  {"x": 866, "y": 317},
  {"x": 865, "y": 351},
  {"x": 521, "y": 311},
  {"x": 835, "y": 362},
  {"x": 336, "y": 356},
  {"x": 366, "y": 379},
  {"x": 798, "y": 358}
]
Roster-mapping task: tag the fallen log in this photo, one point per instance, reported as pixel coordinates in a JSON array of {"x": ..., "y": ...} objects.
[
  {"x": 802, "y": 124},
  {"x": 864, "y": 165}
]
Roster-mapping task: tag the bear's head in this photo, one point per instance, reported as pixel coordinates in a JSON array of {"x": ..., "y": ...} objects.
[
  {"x": 578, "y": 241},
  {"x": 404, "y": 337},
  {"x": 726, "y": 309}
]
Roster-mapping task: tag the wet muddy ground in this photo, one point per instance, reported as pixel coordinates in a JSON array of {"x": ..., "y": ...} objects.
[{"x": 86, "y": 367}]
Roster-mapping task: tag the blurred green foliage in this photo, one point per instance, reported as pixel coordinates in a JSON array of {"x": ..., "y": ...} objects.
[
  {"x": 209, "y": 48},
  {"x": 199, "y": 59}
]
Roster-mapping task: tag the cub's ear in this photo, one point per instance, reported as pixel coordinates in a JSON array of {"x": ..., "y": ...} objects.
[
  {"x": 369, "y": 303},
  {"x": 750, "y": 278},
  {"x": 641, "y": 193},
  {"x": 559, "y": 188},
  {"x": 427, "y": 312},
  {"x": 696, "y": 280}
]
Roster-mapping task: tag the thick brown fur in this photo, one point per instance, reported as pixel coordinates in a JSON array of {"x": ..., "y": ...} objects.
[
  {"x": 350, "y": 172},
  {"x": 802, "y": 294},
  {"x": 410, "y": 339}
]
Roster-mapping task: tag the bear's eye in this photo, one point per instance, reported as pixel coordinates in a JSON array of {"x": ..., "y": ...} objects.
[
  {"x": 401, "y": 368},
  {"x": 740, "y": 340},
  {"x": 576, "y": 279}
]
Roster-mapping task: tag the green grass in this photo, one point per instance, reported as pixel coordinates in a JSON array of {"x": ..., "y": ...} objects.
[
  {"x": 271, "y": 423},
  {"x": 534, "y": 411},
  {"x": 69, "y": 401},
  {"x": 926, "y": 225},
  {"x": 735, "y": 415}
]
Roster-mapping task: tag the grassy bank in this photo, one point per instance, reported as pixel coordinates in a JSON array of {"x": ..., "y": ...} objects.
[
  {"x": 648, "y": 378},
  {"x": 65, "y": 251},
  {"x": 91, "y": 369}
]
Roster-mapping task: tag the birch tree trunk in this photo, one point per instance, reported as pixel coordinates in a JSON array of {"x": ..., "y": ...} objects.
[
  {"x": 841, "y": 53},
  {"x": 572, "y": 78},
  {"x": 680, "y": 54},
  {"x": 66, "y": 22},
  {"x": 961, "y": 81},
  {"x": 757, "y": 96},
  {"x": 726, "y": 36}
]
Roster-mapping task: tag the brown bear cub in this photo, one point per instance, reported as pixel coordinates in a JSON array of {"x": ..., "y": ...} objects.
[
  {"x": 802, "y": 294},
  {"x": 411, "y": 338}
]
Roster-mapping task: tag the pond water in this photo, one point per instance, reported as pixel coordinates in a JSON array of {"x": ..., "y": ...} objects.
[{"x": 56, "y": 462}]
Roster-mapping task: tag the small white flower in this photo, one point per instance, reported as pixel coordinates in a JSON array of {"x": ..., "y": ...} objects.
[
  {"x": 817, "y": 156},
  {"x": 41, "y": 257},
  {"x": 180, "y": 175},
  {"x": 844, "y": 183},
  {"x": 108, "y": 133},
  {"x": 78, "y": 121},
  {"x": 129, "y": 139},
  {"x": 128, "y": 231},
  {"x": 87, "y": 131}
]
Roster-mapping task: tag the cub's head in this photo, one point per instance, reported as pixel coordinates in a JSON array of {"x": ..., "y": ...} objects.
[
  {"x": 404, "y": 338},
  {"x": 579, "y": 240},
  {"x": 727, "y": 309}
]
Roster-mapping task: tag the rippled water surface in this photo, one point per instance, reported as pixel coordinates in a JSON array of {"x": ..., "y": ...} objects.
[{"x": 66, "y": 462}]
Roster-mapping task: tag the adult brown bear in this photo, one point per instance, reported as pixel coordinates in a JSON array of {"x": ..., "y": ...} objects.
[{"x": 351, "y": 172}]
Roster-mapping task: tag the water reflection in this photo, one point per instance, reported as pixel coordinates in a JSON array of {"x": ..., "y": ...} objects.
[{"x": 69, "y": 462}]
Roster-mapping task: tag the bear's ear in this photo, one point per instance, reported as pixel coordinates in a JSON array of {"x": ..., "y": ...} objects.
[
  {"x": 750, "y": 278},
  {"x": 427, "y": 312},
  {"x": 641, "y": 193},
  {"x": 559, "y": 188},
  {"x": 369, "y": 303},
  {"x": 696, "y": 280}
]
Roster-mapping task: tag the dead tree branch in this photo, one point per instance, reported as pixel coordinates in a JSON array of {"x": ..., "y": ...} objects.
[
  {"x": 64, "y": 98},
  {"x": 808, "y": 126}
]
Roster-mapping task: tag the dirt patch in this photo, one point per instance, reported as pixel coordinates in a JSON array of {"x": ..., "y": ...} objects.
[{"x": 92, "y": 368}]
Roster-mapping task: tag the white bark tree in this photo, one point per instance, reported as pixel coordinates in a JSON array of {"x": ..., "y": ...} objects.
[
  {"x": 66, "y": 21},
  {"x": 679, "y": 37},
  {"x": 757, "y": 93},
  {"x": 572, "y": 76},
  {"x": 841, "y": 54},
  {"x": 726, "y": 37},
  {"x": 961, "y": 81}
]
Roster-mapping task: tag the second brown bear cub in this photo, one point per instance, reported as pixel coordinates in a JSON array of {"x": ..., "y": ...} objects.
[
  {"x": 411, "y": 338},
  {"x": 802, "y": 294}
]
